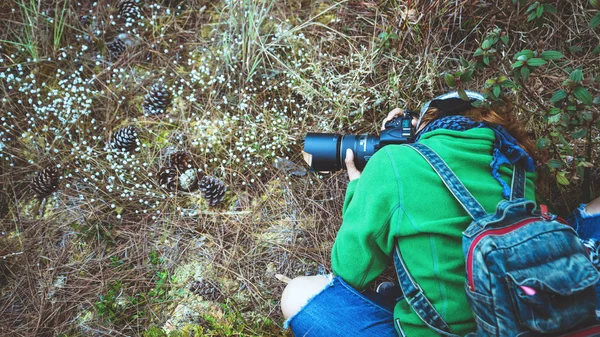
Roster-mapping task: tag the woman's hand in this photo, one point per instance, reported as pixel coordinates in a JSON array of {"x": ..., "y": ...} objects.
[
  {"x": 593, "y": 207},
  {"x": 397, "y": 113},
  {"x": 393, "y": 114},
  {"x": 353, "y": 172}
]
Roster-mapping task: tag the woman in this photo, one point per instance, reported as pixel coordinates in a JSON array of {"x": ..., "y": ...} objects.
[{"x": 399, "y": 200}]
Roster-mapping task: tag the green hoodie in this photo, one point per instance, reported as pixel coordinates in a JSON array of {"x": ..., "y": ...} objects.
[{"x": 400, "y": 199}]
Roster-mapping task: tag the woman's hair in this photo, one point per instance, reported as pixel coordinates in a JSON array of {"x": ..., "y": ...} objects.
[{"x": 502, "y": 117}]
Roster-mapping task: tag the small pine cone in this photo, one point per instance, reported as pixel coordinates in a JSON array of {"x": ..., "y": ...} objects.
[
  {"x": 188, "y": 180},
  {"x": 116, "y": 48},
  {"x": 167, "y": 178},
  {"x": 45, "y": 182},
  {"x": 212, "y": 189},
  {"x": 158, "y": 100},
  {"x": 209, "y": 290},
  {"x": 180, "y": 160},
  {"x": 128, "y": 9},
  {"x": 125, "y": 139}
]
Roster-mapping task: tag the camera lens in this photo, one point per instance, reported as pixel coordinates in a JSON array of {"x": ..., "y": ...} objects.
[
  {"x": 324, "y": 149},
  {"x": 328, "y": 150},
  {"x": 363, "y": 146}
]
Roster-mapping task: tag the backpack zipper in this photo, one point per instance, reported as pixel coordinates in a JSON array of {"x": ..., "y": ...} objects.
[{"x": 479, "y": 237}]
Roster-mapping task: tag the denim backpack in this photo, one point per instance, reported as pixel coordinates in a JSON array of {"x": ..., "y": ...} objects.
[{"x": 527, "y": 273}]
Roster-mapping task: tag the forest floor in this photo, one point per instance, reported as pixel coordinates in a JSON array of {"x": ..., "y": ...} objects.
[{"x": 151, "y": 171}]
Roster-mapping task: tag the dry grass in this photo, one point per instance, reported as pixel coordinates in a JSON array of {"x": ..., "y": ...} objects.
[{"x": 111, "y": 252}]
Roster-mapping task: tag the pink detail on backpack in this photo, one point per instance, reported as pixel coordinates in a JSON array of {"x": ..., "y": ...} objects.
[{"x": 528, "y": 290}]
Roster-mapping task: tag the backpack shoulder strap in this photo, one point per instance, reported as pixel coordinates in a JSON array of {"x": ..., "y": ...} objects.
[
  {"x": 417, "y": 300},
  {"x": 456, "y": 187},
  {"x": 412, "y": 291},
  {"x": 517, "y": 186}
]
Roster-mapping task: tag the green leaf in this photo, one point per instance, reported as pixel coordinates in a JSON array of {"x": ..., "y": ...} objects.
[
  {"x": 504, "y": 39},
  {"x": 539, "y": 11},
  {"x": 596, "y": 50},
  {"x": 579, "y": 133},
  {"x": 554, "y": 111},
  {"x": 549, "y": 8},
  {"x": 555, "y": 163},
  {"x": 595, "y": 21},
  {"x": 542, "y": 143},
  {"x": 449, "y": 78},
  {"x": 554, "y": 119},
  {"x": 583, "y": 95},
  {"x": 462, "y": 94},
  {"x": 508, "y": 84},
  {"x": 576, "y": 75},
  {"x": 478, "y": 52},
  {"x": 467, "y": 75},
  {"x": 532, "y": 7},
  {"x": 489, "y": 82},
  {"x": 464, "y": 62},
  {"x": 536, "y": 62},
  {"x": 525, "y": 73},
  {"x": 486, "y": 44},
  {"x": 486, "y": 60},
  {"x": 525, "y": 52},
  {"x": 575, "y": 49},
  {"x": 517, "y": 64},
  {"x": 531, "y": 17},
  {"x": 561, "y": 179},
  {"x": 551, "y": 55},
  {"x": 497, "y": 90}
]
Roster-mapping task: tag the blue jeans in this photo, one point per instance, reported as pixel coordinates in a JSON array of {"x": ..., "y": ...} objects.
[
  {"x": 340, "y": 310},
  {"x": 586, "y": 225},
  {"x": 588, "y": 229}
]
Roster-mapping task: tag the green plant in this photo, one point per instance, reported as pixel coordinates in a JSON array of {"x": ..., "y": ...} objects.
[
  {"x": 108, "y": 305},
  {"x": 536, "y": 10},
  {"x": 59, "y": 23},
  {"x": 570, "y": 117},
  {"x": 528, "y": 61},
  {"x": 572, "y": 114},
  {"x": 595, "y": 21}
]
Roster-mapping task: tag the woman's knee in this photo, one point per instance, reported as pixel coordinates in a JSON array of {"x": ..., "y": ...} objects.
[{"x": 299, "y": 291}]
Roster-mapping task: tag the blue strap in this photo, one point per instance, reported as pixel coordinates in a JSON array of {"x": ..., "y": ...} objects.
[
  {"x": 416, "y": 299},
  {"x": 460, "y": 192},
  {"x": 518, "y": 183},
  {"x": 412, "y": 291}
]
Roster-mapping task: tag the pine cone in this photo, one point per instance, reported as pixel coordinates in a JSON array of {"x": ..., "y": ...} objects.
[
  {"x": 188, "y": 180},
  {"x": 45, "y": 182},
  {"x": 181, "y": 160},
  {"x": 116, "y": 48},
  {"x": 128, "y": 9},
  {"x": 125, "y": 139},
  {"x": 167, "y": 178},
  {"x": 209, "y": 290},
  {"x": 212, "y": 189},
  {"x": 158, "y": 100}
]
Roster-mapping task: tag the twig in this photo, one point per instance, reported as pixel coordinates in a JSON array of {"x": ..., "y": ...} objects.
[{"x": 283, "y": 278}]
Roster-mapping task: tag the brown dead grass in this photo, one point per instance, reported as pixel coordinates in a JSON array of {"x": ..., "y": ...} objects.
[{"x": 279, "y": 224}]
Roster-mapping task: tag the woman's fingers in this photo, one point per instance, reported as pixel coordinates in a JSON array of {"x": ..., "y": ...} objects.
[
  {"x": 394, "y": 113},
  {"x": 353, "y": 172}
]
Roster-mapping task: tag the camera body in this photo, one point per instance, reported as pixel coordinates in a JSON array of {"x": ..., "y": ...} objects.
[{"x": 327, "y": 151}]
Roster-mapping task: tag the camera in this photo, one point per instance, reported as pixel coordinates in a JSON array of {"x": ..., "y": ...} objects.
[{"x": 327, "y": 151}]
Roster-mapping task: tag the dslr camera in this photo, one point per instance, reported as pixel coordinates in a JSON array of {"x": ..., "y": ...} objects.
[{"x": 327, "y": 151}]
